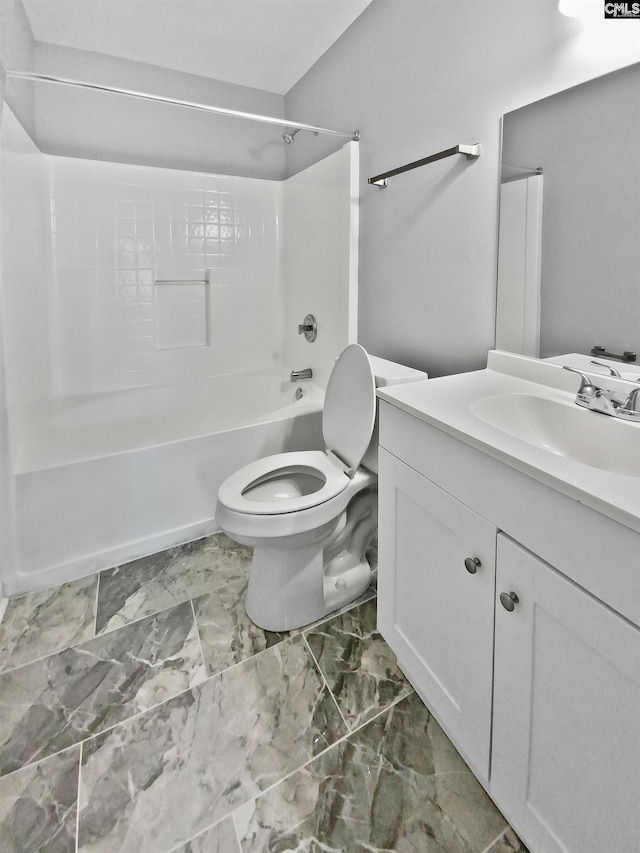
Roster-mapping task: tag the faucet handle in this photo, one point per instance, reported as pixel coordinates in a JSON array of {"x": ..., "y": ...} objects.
[
  {"x": 586, "y": 385},
  {"x": 308, "y": 328},
  {"x": 631, "y": 409},
  {"x": 587, "y": 390},
  {"x": 612, "y": 370}
]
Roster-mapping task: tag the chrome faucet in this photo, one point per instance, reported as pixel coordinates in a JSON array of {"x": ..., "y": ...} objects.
[
  {"x": 606, "y": 402},
  {"x": 296, "y": 375}
]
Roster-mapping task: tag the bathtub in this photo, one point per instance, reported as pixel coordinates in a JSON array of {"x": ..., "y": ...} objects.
[{"x": 108, "y": 478}]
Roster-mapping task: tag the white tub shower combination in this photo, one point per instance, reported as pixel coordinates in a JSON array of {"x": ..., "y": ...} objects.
[
  {"x": 130, "y": 473},
  {"x": 159, "y": 341}
]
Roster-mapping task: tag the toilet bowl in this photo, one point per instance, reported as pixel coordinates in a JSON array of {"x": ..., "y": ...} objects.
[{"x": 310, "y": 515}]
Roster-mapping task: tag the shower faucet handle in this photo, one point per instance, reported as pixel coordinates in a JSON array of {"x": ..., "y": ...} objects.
[{"x": 309, "y": 328}]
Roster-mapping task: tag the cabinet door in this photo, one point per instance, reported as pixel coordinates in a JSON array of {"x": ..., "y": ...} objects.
[
  {"x": 435, "y": 614},
  {"x": 566, "y": 726}
]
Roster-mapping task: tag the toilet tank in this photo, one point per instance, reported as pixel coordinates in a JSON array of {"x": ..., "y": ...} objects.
[
  {"x": 386, "y": 373},
  {"x": 391, "y": 373}
]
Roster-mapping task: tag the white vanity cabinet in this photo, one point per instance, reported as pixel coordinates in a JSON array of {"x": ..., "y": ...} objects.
[
  {"x": 541, "y": 699},
  {"x": 566, "y": 715},
  {"x": 441, "y": 622}
]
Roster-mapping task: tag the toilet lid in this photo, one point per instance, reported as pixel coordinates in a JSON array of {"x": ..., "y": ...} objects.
[{"x": 350, "y": 406}]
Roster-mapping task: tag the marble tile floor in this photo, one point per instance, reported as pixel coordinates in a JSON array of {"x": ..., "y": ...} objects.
[{"x": 141, "y": 710}]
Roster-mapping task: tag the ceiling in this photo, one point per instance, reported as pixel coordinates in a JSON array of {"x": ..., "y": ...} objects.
[{"x": 267, "y": 44}]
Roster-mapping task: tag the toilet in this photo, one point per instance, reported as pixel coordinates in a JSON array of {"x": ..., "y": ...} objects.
[{"x": 309, "y": 515}]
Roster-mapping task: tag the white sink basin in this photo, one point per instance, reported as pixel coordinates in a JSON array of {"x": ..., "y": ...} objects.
[{"x": 564, "y": 429}]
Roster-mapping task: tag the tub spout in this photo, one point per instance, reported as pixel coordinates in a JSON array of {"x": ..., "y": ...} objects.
[{"x": 296, "y": 375}]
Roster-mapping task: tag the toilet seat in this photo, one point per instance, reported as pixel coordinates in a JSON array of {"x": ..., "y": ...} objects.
[
  {"x": 235, "y": 492},
  {"x": 347, "y": 424}
]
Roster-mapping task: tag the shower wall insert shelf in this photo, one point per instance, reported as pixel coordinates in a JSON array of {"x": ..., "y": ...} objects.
[
  {"x": 194, "y": 105},
  {"x": 471, "y": 152}
]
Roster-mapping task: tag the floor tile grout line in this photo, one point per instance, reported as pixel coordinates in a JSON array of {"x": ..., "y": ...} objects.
[
  {"x": 236, "y": 833},
  {"x": 228, "y": 816},
  {"x": 380, "y": 712},
  {"x": 95, "y": 615},
  {"x": 326, "y": 683},
  {"x": 211, "y": 826},
  {"x": 197, "y": 629},
  {"x": 40, "y": 760},
  {"x": 78, "y": 796},
  {"x": 322, "y": 752},
  {"x": 291, "y": 638},
  {"x": 487, "y": 849}
]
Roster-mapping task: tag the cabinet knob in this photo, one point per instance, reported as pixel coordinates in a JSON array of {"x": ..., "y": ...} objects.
[
  {"x": 472, "y": 564},
  {"x": 509, "y": 600}
]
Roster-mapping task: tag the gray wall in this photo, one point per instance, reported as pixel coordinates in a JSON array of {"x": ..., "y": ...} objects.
[
  {"x": 416, "y": 77},
  {"x": 101, "y": 126},
  {"x": 587, "y": 140}
]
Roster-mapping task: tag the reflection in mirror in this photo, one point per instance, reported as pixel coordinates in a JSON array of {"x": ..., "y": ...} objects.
[{"x": 569, "y": 257}]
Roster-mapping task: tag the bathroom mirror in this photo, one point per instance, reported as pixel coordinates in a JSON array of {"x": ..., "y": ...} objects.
[{"x": 569, "y": 245}]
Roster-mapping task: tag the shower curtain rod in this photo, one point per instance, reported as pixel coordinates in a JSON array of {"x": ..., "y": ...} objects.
[
  {"x": 529, "y": 170},
  {"x": 194, "y": 105}
]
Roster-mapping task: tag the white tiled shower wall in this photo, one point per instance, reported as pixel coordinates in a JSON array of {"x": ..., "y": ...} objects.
[
  {"x": 89, "y": 246},
  {"x": 119, "y": 229}
]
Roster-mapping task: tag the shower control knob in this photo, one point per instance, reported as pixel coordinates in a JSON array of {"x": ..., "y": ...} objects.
[
  {"x": 308, "y": 328},
  {"x": 509, "y": 600},
  {"x": 472, "y": 564}
]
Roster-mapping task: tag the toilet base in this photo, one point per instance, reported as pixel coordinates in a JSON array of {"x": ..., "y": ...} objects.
[{"x": 292, "y": 587}]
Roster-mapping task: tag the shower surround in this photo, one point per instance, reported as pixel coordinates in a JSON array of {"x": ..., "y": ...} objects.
[{"x": 149, "y": 320}]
